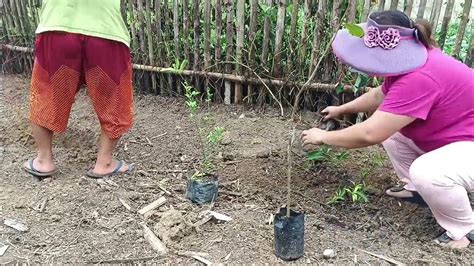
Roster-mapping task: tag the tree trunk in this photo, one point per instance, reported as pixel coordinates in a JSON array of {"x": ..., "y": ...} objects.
[{"x": 462, "y": 27}]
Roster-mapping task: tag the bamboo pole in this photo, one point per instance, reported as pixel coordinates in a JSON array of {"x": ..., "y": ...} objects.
[
  {"x": 239, "y": 44},
  {"x": 318, "y": 34},
  {"x": 436, "y": 11},
  {"x": 351, "y": 15},
  {"x": 408, "y": 7},
  {"x": 462, "y": 27},
  {"x": 253, "y": 47},
  {"x": 168, "y": 35},
  {"x": 160, "y": 44},
  {"x": 315, "y": 86},
  {"x": 197, "y": 37},
  {"x": 132, "y": 24},
  {"x": 381, "y": 5},
  {"x": 421, "y": 9},
  {"x": 444, "y": 25},
  {"x": 218, "y": 45},
  {"x": 177, "y": 47},
  {"x": 292, "y": 38},
  {"x": 150, "y": 43},
  {"x": 280, "y": 30},
  {"x": 141, "y": 37},
  {"x": 366, "y": 10},
  {"x": 207, "y": 33},
  {"x": 265, "y": 46},
  {"x": 394, "y": 5},
  {"x": 186, "y": 30},
  {"x": 229, "y": 49},
  {"x": 304, "y": 36},
  {"x": 470, "y": 54}
]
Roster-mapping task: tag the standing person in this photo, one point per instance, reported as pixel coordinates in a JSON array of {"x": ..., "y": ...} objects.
[
  {"x": 80, "y": 42},
  {"x": 423, "y": 116}
]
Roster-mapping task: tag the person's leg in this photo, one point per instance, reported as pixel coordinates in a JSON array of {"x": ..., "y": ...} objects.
[
  {"x": 443, "y": 178},
  {"x": 402, "y": 152},
  {"x": 44, "y": 141},
  {"x": 54, "y": 83},
  {"x": 109, "y": 82}
]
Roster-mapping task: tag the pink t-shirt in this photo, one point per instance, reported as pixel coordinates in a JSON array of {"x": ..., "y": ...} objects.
[{"x": 440, "y": 95}]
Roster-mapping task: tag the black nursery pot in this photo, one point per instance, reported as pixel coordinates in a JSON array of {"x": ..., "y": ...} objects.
[
  {"x": 289, "y": 235},
  {"x": 202, "y": 190}
]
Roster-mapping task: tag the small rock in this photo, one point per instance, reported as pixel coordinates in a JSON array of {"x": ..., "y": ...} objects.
[
  {"x": 55, "y": 218},
  {"x": 242, "y": 116},
  {"x": 329, "y": 254}
]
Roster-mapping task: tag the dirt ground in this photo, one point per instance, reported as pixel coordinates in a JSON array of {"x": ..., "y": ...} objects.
[{"x": 84, "y": 221}]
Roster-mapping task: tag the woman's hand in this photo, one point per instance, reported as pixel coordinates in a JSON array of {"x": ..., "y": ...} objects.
[
  {"x": 332, "y": 112},
  {"x": 313, "y": 136}
]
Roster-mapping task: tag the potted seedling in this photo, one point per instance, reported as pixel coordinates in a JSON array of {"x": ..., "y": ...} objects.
[
  {"x": 203, "y": 184},
  {"x": 289, "y": 224}
]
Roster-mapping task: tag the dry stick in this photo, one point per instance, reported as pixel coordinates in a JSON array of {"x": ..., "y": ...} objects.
[
  {"x": 395, "y": 262},
  {"x": 229, "y": 48},
  {"x": 444, "y": 26},
  {"x": 408, "y": 7},
  {"x": 186, "y": 27},
  {"x": 207, "y": 39},
  {"x": 462, "y": 27},
  {"x": 288, "y": 184},
  {"x": 159, "y": 40},
  {"x": 120, "y": 261},
  {"x": 421, "y": 9}
]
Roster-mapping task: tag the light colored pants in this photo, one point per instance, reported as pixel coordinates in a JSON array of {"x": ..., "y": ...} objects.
[{"x": 443, "y": 177}]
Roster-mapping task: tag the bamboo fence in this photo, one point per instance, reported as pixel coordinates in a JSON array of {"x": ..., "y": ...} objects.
[{"x": 243, "y": 51}]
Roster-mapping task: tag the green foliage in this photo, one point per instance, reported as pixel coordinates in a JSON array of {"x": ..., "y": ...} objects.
[
  {"x": 356, "y": 194},
  {"x": 321, "y": 154},
  {"x": 354, "y": 29},
  {"x": 451, "y": 39}
]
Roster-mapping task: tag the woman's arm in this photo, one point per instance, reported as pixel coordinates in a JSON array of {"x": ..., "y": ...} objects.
[
  {"x": 367, "y": 102},
  {"x": 379, "y": 127}
]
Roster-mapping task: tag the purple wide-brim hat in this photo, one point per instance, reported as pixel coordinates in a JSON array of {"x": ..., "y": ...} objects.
[{"x": 385, "y": 50}]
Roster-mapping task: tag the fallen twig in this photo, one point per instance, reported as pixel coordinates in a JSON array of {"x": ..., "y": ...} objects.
[
  {"x": 155, "y": 204},
  {"x": 159, "y": 136},
  {"x": 231, "y": 193},
  {"x": 154, "y": 241},
  {"x": 387, "y": 259},
  {"x": 149, "y": 141},
  {"x": 125, "y": 204},
  {"x": 118, "y": 261}
]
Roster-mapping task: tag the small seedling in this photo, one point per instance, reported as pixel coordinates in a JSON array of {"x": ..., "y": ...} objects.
[{"x": 356, "y": 194}]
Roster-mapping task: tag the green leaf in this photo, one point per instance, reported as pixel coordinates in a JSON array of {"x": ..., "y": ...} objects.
[
  {"x": 339, "y": 88},
  {"x": 354, "y": 29}
]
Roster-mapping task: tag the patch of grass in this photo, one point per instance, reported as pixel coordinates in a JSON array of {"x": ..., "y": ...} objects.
[{"x": 357, "y": 194}]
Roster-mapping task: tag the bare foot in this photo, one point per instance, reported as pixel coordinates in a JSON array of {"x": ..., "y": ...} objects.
[
  {"x": 42, "y": 166},
  {"x": 457, "y": 244},
  {"x": 110, "y": 167}
]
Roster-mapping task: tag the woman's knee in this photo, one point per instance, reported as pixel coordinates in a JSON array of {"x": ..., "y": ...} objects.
[{"x": 421, "y": 172}]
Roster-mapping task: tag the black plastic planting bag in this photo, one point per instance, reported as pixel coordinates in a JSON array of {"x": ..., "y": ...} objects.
[
  {"x": 289, "y": 235},
  {"x": 201, "y": 192}
]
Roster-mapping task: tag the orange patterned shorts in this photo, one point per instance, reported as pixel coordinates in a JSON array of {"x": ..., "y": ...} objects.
[{"x": 63, "y": 63}]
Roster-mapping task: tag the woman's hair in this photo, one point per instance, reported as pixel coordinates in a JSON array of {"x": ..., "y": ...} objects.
[{"x": 423, "y": 29}]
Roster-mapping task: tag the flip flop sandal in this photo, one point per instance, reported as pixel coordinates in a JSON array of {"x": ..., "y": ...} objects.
[
  {"x": 416, "y": 198},
  {"x": 31, "y": 170},
  {"x": 444, "y": 239},
  {"x": 116, "y": 171}
]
